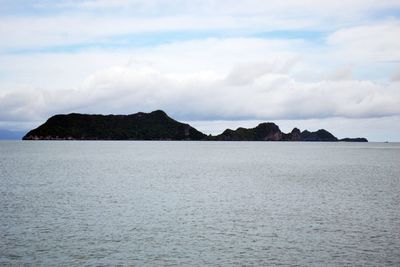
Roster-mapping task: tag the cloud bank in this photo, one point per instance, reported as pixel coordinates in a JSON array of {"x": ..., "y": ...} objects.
[{"x": 251, "y": 91}]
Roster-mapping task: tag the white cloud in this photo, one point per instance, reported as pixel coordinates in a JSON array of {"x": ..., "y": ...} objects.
[
  {"x": 341, "y": 74},
  {"x": 65, "y": 30},
  {"x": 373, "y": 42},
  {"x": 67, "y": 70},
  {"x": 104, "y": 3},
  {"x": 232, "y": 6},
  {"x": 74, "y": 27},
  {"x": 247, "y": 73},
  {"x": 208, "y": 79},
  {"x": 207, "y": 95},
  {"x": 395, "y": 77}
]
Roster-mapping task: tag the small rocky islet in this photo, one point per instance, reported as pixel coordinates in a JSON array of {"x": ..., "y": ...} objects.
[{"x": 157, "y": 125}]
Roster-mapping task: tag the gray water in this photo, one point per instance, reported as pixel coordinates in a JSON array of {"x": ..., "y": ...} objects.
[{"x": 199, "y": 203}]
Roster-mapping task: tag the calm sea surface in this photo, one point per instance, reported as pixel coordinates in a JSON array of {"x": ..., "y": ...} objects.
[{"x": 199, "y": 203}]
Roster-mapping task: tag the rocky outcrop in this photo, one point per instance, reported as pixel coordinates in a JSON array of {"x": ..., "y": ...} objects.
[
  {"x": 271, "y": 132},
  {"x": 294, "y": 135}
]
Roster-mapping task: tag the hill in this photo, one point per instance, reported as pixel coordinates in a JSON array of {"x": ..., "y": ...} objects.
[{"x": 157, "y": 125}]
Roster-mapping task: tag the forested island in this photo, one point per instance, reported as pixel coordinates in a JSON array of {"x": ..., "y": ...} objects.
[{"x": 157, "y": 125}]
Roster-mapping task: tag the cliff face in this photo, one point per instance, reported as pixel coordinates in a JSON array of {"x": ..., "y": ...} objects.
[
  {"x": 156, "y": 125},
  {"x": 294, "y": 135}
]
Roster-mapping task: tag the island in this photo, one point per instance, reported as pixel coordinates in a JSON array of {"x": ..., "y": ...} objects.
[{"x": 157, "y": 125}]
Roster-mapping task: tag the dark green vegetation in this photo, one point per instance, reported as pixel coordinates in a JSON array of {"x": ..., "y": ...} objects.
[
  {"x": 320, "y": 135},
  {"x": 157, "y": 125},
  {"x": 263, "y": 132},
  {"x": 271, "y": 132},
  {"x": 140, "y": 126}
]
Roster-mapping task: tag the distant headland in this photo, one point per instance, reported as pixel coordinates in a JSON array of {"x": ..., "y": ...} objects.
[{"x": 157, "y": 125}]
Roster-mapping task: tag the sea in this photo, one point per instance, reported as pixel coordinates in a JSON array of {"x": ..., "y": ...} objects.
[{"x": 183, "y": 203}]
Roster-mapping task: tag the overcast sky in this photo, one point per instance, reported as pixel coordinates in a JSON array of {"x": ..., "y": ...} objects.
[{"x": 213, "y": 63}]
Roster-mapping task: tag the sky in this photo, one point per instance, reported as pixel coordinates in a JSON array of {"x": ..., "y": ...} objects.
[{"x": 212, "y": 63}]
